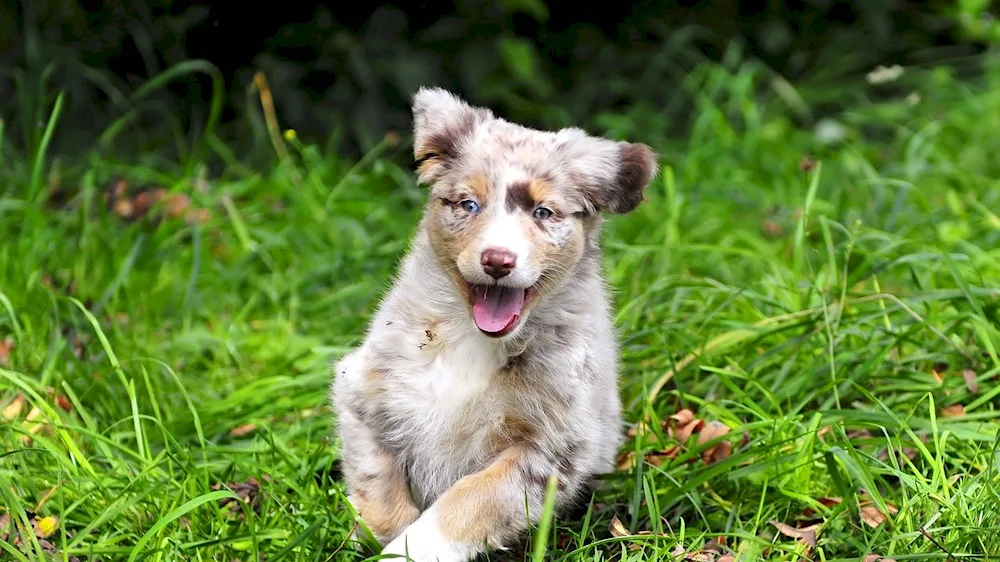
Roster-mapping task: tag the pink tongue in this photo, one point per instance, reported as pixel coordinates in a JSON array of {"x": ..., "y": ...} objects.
[{"x": 496, "y": 307}]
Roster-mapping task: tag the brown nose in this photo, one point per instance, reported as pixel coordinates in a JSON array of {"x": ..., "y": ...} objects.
[{"x": 498, "y": 262}]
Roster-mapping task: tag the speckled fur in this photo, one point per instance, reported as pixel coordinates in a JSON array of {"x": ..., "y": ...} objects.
[{"x": 447, "y": 434}]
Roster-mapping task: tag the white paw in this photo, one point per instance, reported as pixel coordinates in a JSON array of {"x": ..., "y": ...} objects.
[{"x": 423, "y": 542}]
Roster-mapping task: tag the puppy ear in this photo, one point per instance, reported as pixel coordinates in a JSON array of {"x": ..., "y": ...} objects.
[
  {"x": 611, "y": 175},
  {"x": 441, "y": 124},
  {"x": 637, "y": 167}
]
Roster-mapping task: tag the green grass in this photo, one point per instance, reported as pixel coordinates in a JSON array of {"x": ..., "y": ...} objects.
[{"x": 807, "y": 310}]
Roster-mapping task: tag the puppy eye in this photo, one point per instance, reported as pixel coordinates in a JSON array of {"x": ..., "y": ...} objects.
[
  {"x": 470, "y": 206},
  {"x": 542, "y": 213}
]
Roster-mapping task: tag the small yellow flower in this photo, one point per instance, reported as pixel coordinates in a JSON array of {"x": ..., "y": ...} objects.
[
  {"x": 46, "y": 526},
  {"x": 290, "y": 135}
]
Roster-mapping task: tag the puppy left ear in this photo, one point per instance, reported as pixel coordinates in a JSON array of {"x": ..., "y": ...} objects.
[
  {"x": 442, "y": 122},
  {"x": 637, "y": 167}
]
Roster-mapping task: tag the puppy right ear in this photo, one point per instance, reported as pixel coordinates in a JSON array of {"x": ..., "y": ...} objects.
[{"x": 441, "y": 123}]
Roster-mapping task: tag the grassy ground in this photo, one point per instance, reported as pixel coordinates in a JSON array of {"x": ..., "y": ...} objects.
[{"x": 833, "y": 304}]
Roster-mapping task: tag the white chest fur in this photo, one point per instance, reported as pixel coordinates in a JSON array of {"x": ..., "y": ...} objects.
[{"x": 443, "y": 406}]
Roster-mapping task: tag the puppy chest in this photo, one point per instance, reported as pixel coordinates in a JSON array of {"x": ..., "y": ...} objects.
[{"x": 448, "y": 405}]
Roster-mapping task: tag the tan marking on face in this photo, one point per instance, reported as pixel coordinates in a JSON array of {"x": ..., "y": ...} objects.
[
  {"x": 540, "y": 190},
  {"x": 452, "y": 234},
  {"x": 556, "y": 244},
  {"x": 472, "y": 511},
  {"x": 479, "y": 185},
  {"x": 384, "y": 503}
]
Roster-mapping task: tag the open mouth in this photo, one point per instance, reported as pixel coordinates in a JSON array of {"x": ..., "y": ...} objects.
[{"x": 496, "y": 309}]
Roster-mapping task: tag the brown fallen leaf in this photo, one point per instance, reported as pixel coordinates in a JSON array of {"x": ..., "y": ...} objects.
[
  {"x": 710, "y": 552},
  {"x": 807, "y": 164},
  {"x": 640, "y": 429},
  {"x": 806, "y": 535},
  {"x": 825, "y": 501},
  {"x": 876, "y": 558},
  {"x": 656, "y": 458},
  {"x": 859, "y": 434},
  {"x": 6, "y": 346},
  {"x": 13, "y": 409},
  {"x": 970, "y": 381},
  {"x": 953, "y": 411},
  {"x": 34, "y": 427},
  {"x": 683, "y": 417},
  {"x": 625, "y": 461},
  {"x": 714, "y": 430},
  {"x": 872, "y": 516},
  {"x": 241, "y": 430},
  {"x": 684, "y": 432},
  {"x": 249, "y": 492},
  {"x": 617, "y": 528},
  {"x": 4, "y": 524},
  {"x": 64, "y": 402}
]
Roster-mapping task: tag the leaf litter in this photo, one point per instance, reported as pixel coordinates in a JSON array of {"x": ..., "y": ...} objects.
[{"x": 680, "y": 427}]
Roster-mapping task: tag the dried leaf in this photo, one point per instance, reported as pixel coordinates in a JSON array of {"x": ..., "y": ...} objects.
[
  {"x": 241, "y": 430},
  {"x": 6, "y": 346},
  {"x": 13, "y": 409},
  {"x": 872, "y": 516},
  {"x": 871, "y": 558},
  {"x": 825, "y": 501},
  {"x": 625, "y": 461},
  {"x": 683, "y": 417},
  {"x": 4, "y": 524},
  {"x": 177, "y": 204},
  {"x": 640, "y": 429},
  {"x": 720, "y": 452},
  {"x": 249, "y": 492},
  {"x": 46, "y": 526},
  {"x": 64, "y": 402},
  {"x": 714, "y": 430},
  {"x": 684, "y": 433},
  {"x": 617, "y": 528},
  {"x": 955, "y": 410},
  {"x": 806, "y": 535},
  {"x": 657, "y": 458},
  {"x": 859, "y": 434},
  {"x": 807, "y": 164},
  {"x": 970, "y": 381},
  {"x": 726, "y": 558}
]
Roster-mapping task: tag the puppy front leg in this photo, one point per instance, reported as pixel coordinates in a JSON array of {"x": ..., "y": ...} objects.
[
  {"x": 485, "y": 508},
  {"x": 376, "y": 486}
]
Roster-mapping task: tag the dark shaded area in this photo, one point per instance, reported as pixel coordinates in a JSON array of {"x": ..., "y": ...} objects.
[{"x": 351, "y": 66}]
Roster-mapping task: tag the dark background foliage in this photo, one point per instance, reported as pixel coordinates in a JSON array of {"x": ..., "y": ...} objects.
[{"x": 344, "y": 71}]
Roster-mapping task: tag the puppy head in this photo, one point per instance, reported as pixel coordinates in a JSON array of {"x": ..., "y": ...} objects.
[{"x": 512, "y": 208}]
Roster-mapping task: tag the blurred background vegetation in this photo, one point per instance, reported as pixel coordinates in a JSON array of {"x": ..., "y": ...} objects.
[{"x": 161, "y": 74}]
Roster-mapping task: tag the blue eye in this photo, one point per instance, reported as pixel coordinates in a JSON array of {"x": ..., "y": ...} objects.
[
  {"x": 542, "y": 213},
  {"x": 470, "y": 206}
]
